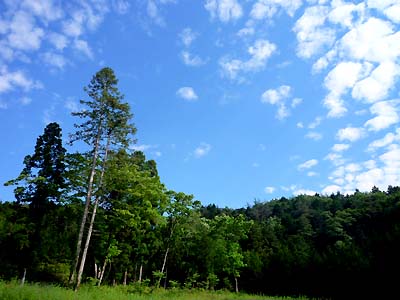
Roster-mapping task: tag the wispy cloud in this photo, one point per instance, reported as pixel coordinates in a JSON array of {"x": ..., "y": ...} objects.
[
  {"x": 187, "y": 93},
  {"x": 10, "y": 80},
  {"x": 187, "y": 36},
  {"x": 202, "y": 150},
  {"x": 308, "y": 164},
  {"x": 278, "y": 97},
  {"x": 316, "y": 136},
  {"x": 191, "y": 60},
  {"x": 350, "y": 134},
  {"x": 260, "y": 52},
  {"x": 225, "y": 10},
  {"x": 269, "y": 189}
]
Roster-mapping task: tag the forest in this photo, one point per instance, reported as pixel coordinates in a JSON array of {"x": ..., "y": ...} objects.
[{"x": 103, "y": 216}]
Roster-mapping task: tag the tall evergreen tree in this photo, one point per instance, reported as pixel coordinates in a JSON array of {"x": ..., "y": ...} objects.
[
  {"x": 41, "y": 183},
  {"x": 42, "y": 179},
  {"x": 106, "y": 124}
]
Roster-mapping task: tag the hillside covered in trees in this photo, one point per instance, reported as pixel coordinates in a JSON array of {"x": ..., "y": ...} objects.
[{"x": 103, "y": 215}]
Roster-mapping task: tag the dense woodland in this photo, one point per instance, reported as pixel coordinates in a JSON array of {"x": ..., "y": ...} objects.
[{"x": 103, "y": 216}]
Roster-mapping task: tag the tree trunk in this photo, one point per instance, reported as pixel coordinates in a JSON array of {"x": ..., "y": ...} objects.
[
  {"x": 165, "y": 279},
  {"x": 102, "y": 270},
  {"x": 163, "y": 266},
  {"x": 87, "y": 204},
  {"x": 125, "y": 277},
  {"x": 96, "y": 271},
  {"x": 90, "y": 230},
  {"x": 166, "y": 253},
  {"x": 23, "y": 277},
  {"x": 140, "y": 273},
  {"x": 236, "y": 285}
]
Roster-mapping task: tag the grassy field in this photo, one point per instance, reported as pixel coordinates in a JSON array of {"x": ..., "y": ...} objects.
[{"x": 13, "y": 291}]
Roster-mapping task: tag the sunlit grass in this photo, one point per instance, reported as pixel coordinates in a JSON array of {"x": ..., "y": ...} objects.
[{"x": 13, "y": 291}]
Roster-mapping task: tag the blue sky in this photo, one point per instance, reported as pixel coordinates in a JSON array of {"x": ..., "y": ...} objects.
[{"x": 236, "y": 100}]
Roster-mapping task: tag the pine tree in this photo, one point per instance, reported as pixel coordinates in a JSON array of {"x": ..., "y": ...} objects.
[
  {"x": 106, "y": 124},
  {"x": 41, "y": 183}
]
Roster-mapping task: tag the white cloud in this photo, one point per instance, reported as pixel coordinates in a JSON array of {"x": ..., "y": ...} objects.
[
  {"x": 260, "y": 52},
  {"x": 352, "y": 168},
  {"x": 48, "y": 115},
  {"x": 314, "y": 135},
  {"x": 17, "y": 79},
  {"x": 5, "y": 51},
  {"x": 278, "y": 98},
  {"x": 381, "y": 4},
  {"x": 340, "y": 147},
  {"x": 374, "y": 40},
  {"x": 142, "y": 147},
  {"x": 193, "y": 61},
  {"x": 335, "y": 158},
  {"x": 391, "y": 8},
  {"x": 335, "y": 105},
  {"x": 268, "y": 8},
  {"x": 393, "y": 13},
  {"x": 282, "y": 112},
  {"x": 187, "y": 93},
  {"x": 246, "y": 31},
  {"x": 44, "y": 9},
  {"x": 343, "y": 77},
  {"x": 58, "y": 40},
  {"x": 154, "y": 13},
  {"x": 74, "y": 26},
  {"x": 386, "y": 115},
  {"x": 307, "y": 165},
  {"x": 344, "y": 13},
  {"x": 225, "y": 10},
  {"x": 260, "y": 10},
  {"x": 202, "y": 150},
  {"x": 350, "y": 134},
  {"x": 364, "y": 175},
  {"x": 304, "y": 192},
  {"x": 312, "y": 37},
  {"x": 121, "y": 6},
  {"x": 315, "y": 123},
  {"x": 71, "y": 105},
  {"x": 83, "y": 47},
  {"x": 24, "y": 33},
  {"x": 269, "y": 190},
  {"x": 377, "y": 86},
  {"x": 331, "y": 189},
  {"x": 387, "y": 140},
  {"x": 54, "y": 59},
  {"x": 312, "y": 174},
  {"x": 300, "y": 125},
  {"x": 231, "y": 68},
  {"x": 187, "y": 36},
  {"x": 296, "y": 102}
]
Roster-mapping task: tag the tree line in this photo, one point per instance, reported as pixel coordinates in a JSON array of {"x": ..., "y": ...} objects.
[{"x": 104, "y": 216}]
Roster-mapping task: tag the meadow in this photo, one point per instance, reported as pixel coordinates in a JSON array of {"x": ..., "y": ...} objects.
[{"x": 14, "y": 291}]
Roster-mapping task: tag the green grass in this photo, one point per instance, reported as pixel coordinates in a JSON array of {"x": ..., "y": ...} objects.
[{"x": 13, "y": 291}]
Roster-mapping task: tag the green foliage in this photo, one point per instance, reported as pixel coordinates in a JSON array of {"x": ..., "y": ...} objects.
[
  {"x": 13, "y": 291},
  {"x": 315, "y": 245},
  {"x": 43, "y": 178},
  {"x": 105, "y": 115}
]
